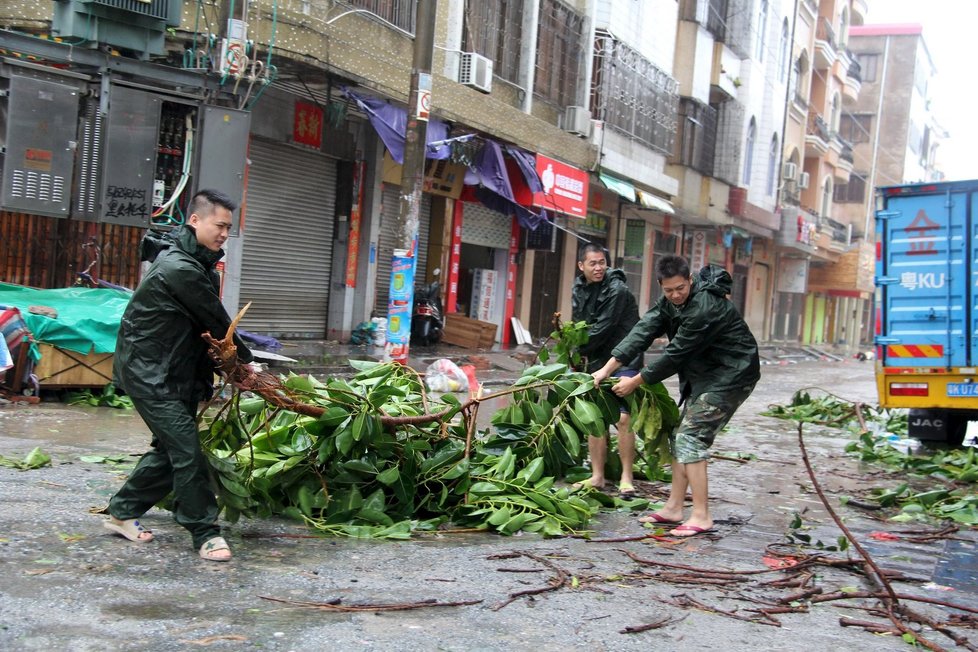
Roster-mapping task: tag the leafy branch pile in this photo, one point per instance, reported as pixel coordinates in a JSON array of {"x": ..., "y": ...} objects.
[
  {"x": 384, "y": 459},
  {"x": 951, "y": 473},
  {"x": 376, "y": 457}
]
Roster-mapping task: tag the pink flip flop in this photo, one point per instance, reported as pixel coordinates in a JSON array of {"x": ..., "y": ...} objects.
[
  {"x": 686, "y": 531},
  {"x": 655, "y": 517}
]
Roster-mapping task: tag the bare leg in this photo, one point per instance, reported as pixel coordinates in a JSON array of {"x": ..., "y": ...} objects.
[
  {"x": 626, "y": 449},
  {"x": 597, "y": 448},
  {"x": 696, "y": 474},
  {"x": 673, "y": 509}
]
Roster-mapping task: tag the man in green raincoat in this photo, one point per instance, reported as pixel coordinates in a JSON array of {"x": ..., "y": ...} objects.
[
  {"x": 601, "y": 298},
  {"x": 714, "y": 353},
  {"x": 162, "y": 363}
]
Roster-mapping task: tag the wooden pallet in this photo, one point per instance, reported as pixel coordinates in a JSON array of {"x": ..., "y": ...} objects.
[
  {"x": 61, "y": 369},
  {"x": 468, "y": 333}
]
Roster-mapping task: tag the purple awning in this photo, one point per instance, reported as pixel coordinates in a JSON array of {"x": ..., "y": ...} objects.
[{"x": 390, "y": 121}]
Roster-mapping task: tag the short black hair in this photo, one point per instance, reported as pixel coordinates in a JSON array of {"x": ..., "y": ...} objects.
[
  {"x": 204, "y": 202},
  {"x": 669, "y": 266},
  {"x": 590, "y": 248}
]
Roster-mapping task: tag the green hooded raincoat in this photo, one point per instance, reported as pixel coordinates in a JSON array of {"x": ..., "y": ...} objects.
[
  {"x": 710, "y": 345},
  {"x": 610, "y": 311}
]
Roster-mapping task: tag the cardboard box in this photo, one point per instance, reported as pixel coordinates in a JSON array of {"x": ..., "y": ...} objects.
[{"x": 468, "y": 333}]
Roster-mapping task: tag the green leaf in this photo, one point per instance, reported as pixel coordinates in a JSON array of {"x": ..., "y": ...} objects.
[
  {"x": 389, "y": 476},
  {"x": 485, "y": 488}
]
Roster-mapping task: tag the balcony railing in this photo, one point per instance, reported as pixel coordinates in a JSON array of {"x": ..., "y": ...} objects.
[
  {"x": 817, "y": 127},
  {"x": 824, "y": 32},
  {"x": 855, "y": 70},
  {"x": 846, "y": 154}
]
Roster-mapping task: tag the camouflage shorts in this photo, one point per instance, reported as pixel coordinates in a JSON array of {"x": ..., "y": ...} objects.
[{"x": 702, "y": 419}]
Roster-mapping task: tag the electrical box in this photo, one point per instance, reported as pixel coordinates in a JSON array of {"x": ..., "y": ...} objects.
[
  {"x": 475, "y": 71},
  {"x": 129, "y": 161},
  {"x": 223, "y": 153},
  {"x": 38, "y": 124}
]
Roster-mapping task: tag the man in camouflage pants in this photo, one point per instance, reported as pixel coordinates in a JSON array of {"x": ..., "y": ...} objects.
[{"x": 715, "y": 355}]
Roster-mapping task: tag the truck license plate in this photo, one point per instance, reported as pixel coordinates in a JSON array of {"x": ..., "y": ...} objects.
[{"x": 962, "y": 389}]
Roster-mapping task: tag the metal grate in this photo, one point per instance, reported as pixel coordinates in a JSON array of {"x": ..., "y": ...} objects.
[
  {"x": 697, "y": 135},
  {"x": 559, "y": 53},
  {"x": 729, "y": 146},
  {"x": 397, "y": 12},
  {"x": 494, "y": 29},
  {"x": 153, "y": 8},
  {"x": 632, "y": 95},
  {"x": 90, "y": 150}
]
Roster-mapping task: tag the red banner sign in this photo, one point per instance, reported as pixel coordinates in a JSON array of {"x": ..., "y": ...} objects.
[
  {"x": 564, "y": 187},
  {"x": 308, "y": 126},
  {"x": 356, "y": 211}
]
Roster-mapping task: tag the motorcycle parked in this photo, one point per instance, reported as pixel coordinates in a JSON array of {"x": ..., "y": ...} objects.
[{"x": 426, "y": 319}]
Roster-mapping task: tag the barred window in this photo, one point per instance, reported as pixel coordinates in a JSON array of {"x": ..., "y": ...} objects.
[
  {"x": 868, "y": 64},
  {"x": 855, "y": 128},
  {"x": 632, "y": 95},
  {"x": 853, "y": 192},
  {"x": 398, "y": 12},
  {"x": 559, "y": 53},
  {"x": 494, "y": 29},
  {"x": 697, "y": 135}
]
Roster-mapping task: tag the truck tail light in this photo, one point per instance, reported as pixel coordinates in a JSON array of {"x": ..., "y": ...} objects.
[{"x": 908, "y": 389}]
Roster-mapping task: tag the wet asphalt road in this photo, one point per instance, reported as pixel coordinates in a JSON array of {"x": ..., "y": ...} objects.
[{"x": 66, "y": 584}]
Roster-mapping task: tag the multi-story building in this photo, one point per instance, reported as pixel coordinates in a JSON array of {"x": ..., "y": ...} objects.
[{"x": 824, "y": 261}]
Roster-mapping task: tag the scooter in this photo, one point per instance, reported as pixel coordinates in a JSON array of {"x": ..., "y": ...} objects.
[{"x": 426, "y": 319}]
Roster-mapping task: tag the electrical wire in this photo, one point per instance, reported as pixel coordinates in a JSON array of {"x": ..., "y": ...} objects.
[{"x": 185, "y": 171}]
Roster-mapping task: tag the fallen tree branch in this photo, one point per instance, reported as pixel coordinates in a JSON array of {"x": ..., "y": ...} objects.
[{"x": 659, "y": 624}]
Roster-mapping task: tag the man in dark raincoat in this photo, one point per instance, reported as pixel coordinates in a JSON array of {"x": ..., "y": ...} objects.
[
  {"x": 602, "y": 299},
  {"x": 714, "y": 353},
  {"x": 162, "y": 363}
]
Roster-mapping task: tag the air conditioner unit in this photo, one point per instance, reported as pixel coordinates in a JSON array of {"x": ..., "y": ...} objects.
[
  {"x": 789, "y": 171},
  {"x": 577, "y": 120},
  {"x": 803, "y": 179},
  {"x": 475, "y": 71}
]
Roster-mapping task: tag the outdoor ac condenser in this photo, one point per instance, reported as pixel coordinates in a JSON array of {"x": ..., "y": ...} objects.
[
  {"x": 577, "y": 120},
  {"x": 475, "y": 71},
  {"x": 803, "y": 179},
  {"x": 789, "y": 171}
]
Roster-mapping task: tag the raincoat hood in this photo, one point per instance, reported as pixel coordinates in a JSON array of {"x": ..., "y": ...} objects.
[{"x": 716, "y": 280}]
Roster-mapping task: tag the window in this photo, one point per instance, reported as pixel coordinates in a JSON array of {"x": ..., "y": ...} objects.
[
  {"x": 398, "y": 12},
  {"x": 836, "y": 112},
  {"x": 827, "y": 198},
  {"x": 784, "y": 52},
  {"x": 559, "y": 53},
  {"x": 697, "y": 135},
  {"x": 749, "y": 151},
  {"x": 632, "y": 95},
  {"x": 868, "y": 64},
  {"x": 494, "y": 29},
  {"x": 844, "y": 28},
  {"x": 853, "y": 192},
  {"x": 855, "y": 128},
  {"x": 761, "y": 32},
  {"x": 772, "y": 166}
]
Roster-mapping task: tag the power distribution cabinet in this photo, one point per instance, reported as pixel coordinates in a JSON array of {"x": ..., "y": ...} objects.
[
  {"x": 222, "y": 153},
  {"x": 38, "y": 127},
  {"x": 129, "y": 160}
]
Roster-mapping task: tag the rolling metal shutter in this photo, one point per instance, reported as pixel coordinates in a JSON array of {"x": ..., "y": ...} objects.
[
  {"x": 486, "y": 227},
  {"x": 288, "y": 240},
  {"x": 385, "y": 248}
]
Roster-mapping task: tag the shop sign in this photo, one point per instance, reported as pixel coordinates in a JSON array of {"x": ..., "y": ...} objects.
[
  {"x": 308, "y": 126},
  {"x": 565, "y": 187}
]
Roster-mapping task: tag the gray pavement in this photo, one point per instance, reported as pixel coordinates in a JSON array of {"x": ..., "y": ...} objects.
[{"x": 69, "y": 585}]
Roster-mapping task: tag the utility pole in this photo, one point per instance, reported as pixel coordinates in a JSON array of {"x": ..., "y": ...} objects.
[{"x": 404, "y": 262}]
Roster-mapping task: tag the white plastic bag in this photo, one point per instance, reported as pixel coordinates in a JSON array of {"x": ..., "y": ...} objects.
[{"x": 443, "y": 375}]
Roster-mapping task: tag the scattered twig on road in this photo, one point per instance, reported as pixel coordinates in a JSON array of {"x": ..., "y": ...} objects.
[
  {"x": 560, "y": 578},
  {"x": 659, "y": 624},
  {"x": 336, "y": 605}
]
